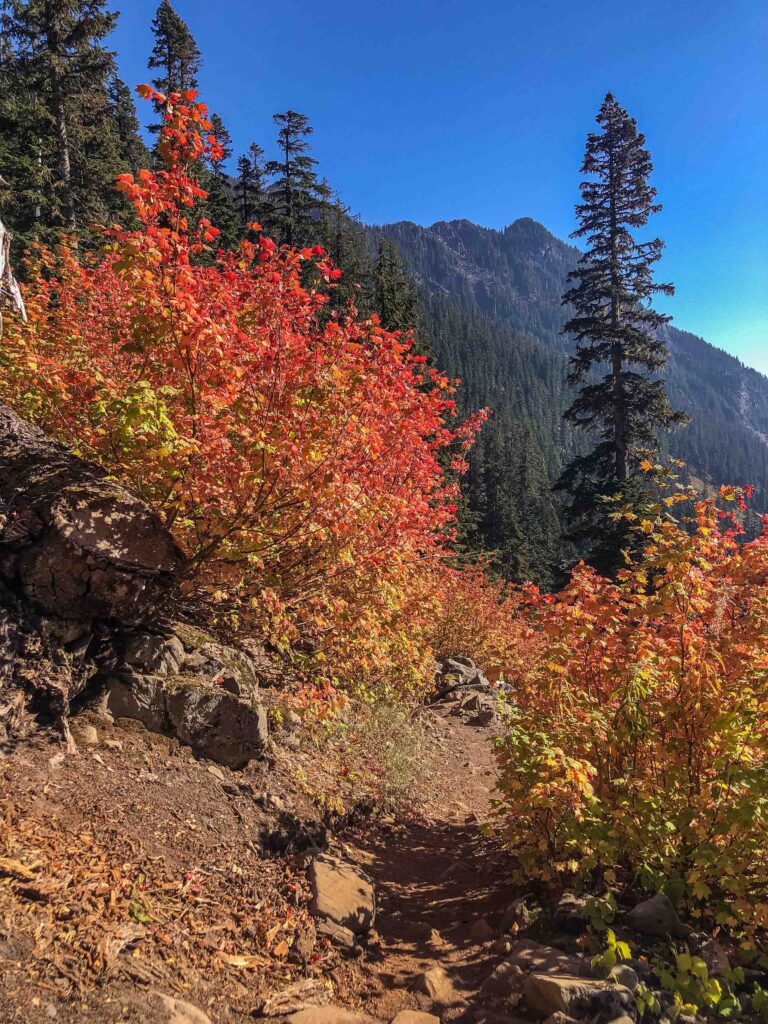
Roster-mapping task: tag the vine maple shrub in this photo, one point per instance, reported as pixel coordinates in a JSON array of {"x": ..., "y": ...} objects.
[
  {"x": 638, "y": 747},
  {"x": 295, "y": 452}
]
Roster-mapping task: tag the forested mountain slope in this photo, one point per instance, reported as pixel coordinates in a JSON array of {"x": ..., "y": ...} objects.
[{"x": 492, "y": 315}]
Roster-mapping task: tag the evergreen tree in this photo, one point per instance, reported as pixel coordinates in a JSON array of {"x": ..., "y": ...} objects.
[
  {"x": 615, "y": 327},
  {"x": 394, "y": 296},
  {"x": 175, "y": 55},
  {"x": 220, "y": 207},
  {"x": 296, "y": 194},
  {"x": 249, "y": 187},
  {"x": 60, "y": 146}
]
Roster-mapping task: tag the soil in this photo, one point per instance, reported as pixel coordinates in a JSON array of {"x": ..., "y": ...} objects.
[{"x": 132, "y": 868}]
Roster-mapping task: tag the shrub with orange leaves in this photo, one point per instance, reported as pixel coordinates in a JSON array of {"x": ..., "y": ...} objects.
[
  {"x": 295, "y": 453},
  {"x": 638, "y": 750}
]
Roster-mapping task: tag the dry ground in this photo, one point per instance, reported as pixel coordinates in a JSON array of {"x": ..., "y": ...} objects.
[{"x": 132, "y": 867}]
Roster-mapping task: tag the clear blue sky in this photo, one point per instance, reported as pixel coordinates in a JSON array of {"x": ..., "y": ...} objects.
[{"x": 434, "y": 109}]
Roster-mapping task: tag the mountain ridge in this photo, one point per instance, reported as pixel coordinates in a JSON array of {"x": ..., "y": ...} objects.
[{"x": 492, "y": 316}]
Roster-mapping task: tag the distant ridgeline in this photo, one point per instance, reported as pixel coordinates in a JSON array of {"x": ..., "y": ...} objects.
[{"x": 492, "y": 316}]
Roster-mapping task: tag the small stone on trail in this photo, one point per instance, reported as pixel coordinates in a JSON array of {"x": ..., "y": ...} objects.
[
  {"x": 436, "y": 984},
  {"x": 325, "y": 1015},
  {"x": 336, "y": 933},
  {"x": 342, "y": 893},
  {"x": 550, "y": 993},
  {"x": 86, "y": 735},
  {"x": 216, "y": 771},
  {"x": 481, "y": 931},
  {"x": 178, "y": 1012},
  {"x": 657, "y": 916},
  {"x": 626, "y": 976},
  {"x": 505, "y": 980},
  {"x": 415, "y": 1017}
]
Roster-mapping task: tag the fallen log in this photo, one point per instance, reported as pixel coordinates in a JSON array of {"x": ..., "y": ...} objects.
[{"x": 76, "y": 545}]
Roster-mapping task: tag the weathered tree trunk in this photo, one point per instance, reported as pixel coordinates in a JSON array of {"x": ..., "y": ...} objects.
[
  {"x": 9, "y": 288},
  {"x": 76, "y": 545}
]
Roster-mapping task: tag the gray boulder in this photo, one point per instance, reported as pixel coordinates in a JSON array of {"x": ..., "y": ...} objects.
[
  {"x": 225, "y": 666},
  {"x": 657, "y": 916},
  {"x": 214, "y": 722},
  {"x": 152, "y": 654}
]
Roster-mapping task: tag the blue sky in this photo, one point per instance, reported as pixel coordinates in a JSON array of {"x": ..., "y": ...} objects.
[{"x": 434, "y": 109}]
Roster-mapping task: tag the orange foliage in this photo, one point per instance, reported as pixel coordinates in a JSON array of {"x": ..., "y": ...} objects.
[
  {"x": 295, "y": 452},
  {"x": 638, "y": 746}
]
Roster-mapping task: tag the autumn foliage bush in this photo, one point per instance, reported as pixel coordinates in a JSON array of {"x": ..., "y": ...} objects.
[
  {"x": 296, "y": 453},
  {"x": 638, "y": 747}
]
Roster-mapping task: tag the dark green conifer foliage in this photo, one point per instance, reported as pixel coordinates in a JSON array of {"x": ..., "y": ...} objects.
[
  {"x": 220, "y": 206},
  {"x": 249, "y": 187},
  {"x": 394, "y": 296},
  {"x": 60, "y": 147},
  {"x": 296, "y": 195},
  {"x": 175, "y": 55},
  {"x": 616, "y": 329}
]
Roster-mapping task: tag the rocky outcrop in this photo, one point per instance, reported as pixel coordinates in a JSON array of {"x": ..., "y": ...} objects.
[
  {"x": 75, "y": 544},
  {"x": 214, "y": 722},
  {"x": 467, "y": 692}
]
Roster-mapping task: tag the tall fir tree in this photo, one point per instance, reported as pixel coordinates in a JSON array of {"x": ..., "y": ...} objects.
[
  {"x": 61, "y": 144},
  {"x": 296, "y": 195},
  {"x": 175, "y": 55},
  {"x": 220, "y": 206},
  {"x": 249, "y": 186},
  {"x": 615, "y": 327},
  {"x": 394, "y": 296}
]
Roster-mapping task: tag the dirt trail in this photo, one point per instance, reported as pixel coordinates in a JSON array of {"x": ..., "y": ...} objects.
[{"x": 438, "y": 877}]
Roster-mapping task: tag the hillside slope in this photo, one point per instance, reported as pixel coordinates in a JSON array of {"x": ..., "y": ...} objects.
[{"x": 493, "y": 317}]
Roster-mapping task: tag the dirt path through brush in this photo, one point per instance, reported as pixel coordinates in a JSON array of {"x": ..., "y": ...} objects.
[{"x": 438, "y": 879}]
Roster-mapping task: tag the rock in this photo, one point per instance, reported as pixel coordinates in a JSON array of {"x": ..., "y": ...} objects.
[
  {"x": 484, "y": 718},
  {"x": 626, "y": 976},
  {"x": 87, "y": 549},
  {"x": 113, "y": 744},
  {"x": 309, "y": 993},
  {"x": 153, "y": 655},
  {"x": 223, "y": 666},
  {"x": 336, "y": 933},
  {"x": 657, "y": 916},
  {"x": 342, "y": 893},
  {"x": 176, "y": 1011},
  {"x": 531, "y": 956},
  {"x": 212, "y": 721},
  {"x": 570, "y": 913},
  {"x": 436, "y": 984},
  {"x": 505, "y": 980},
  {"x": 325, "y": 1015},
  {"x": 713, "y": 955},
  {"x": 481, "y": 931},
  {"x": 518, "y": 915},
  {"x": 84, "y": 734},
  {"x": 415, "y": 1017},
  {"x": 553, "y": 993}
]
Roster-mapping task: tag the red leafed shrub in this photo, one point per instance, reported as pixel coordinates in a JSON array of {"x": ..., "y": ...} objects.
[{"x": 296, "y": 456}]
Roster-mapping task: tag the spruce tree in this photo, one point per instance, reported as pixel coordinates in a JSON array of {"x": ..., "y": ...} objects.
[
  {"x": 296, "y": 194},
  {"x": 619, "y": 350},
  {"x": 394, "y": 296},
  {"x": 61, "y": 146},
  {"x": 220, "y": 206},
  {"x": 175, "y": 55},
  {"x": 249, "y": 187}
]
